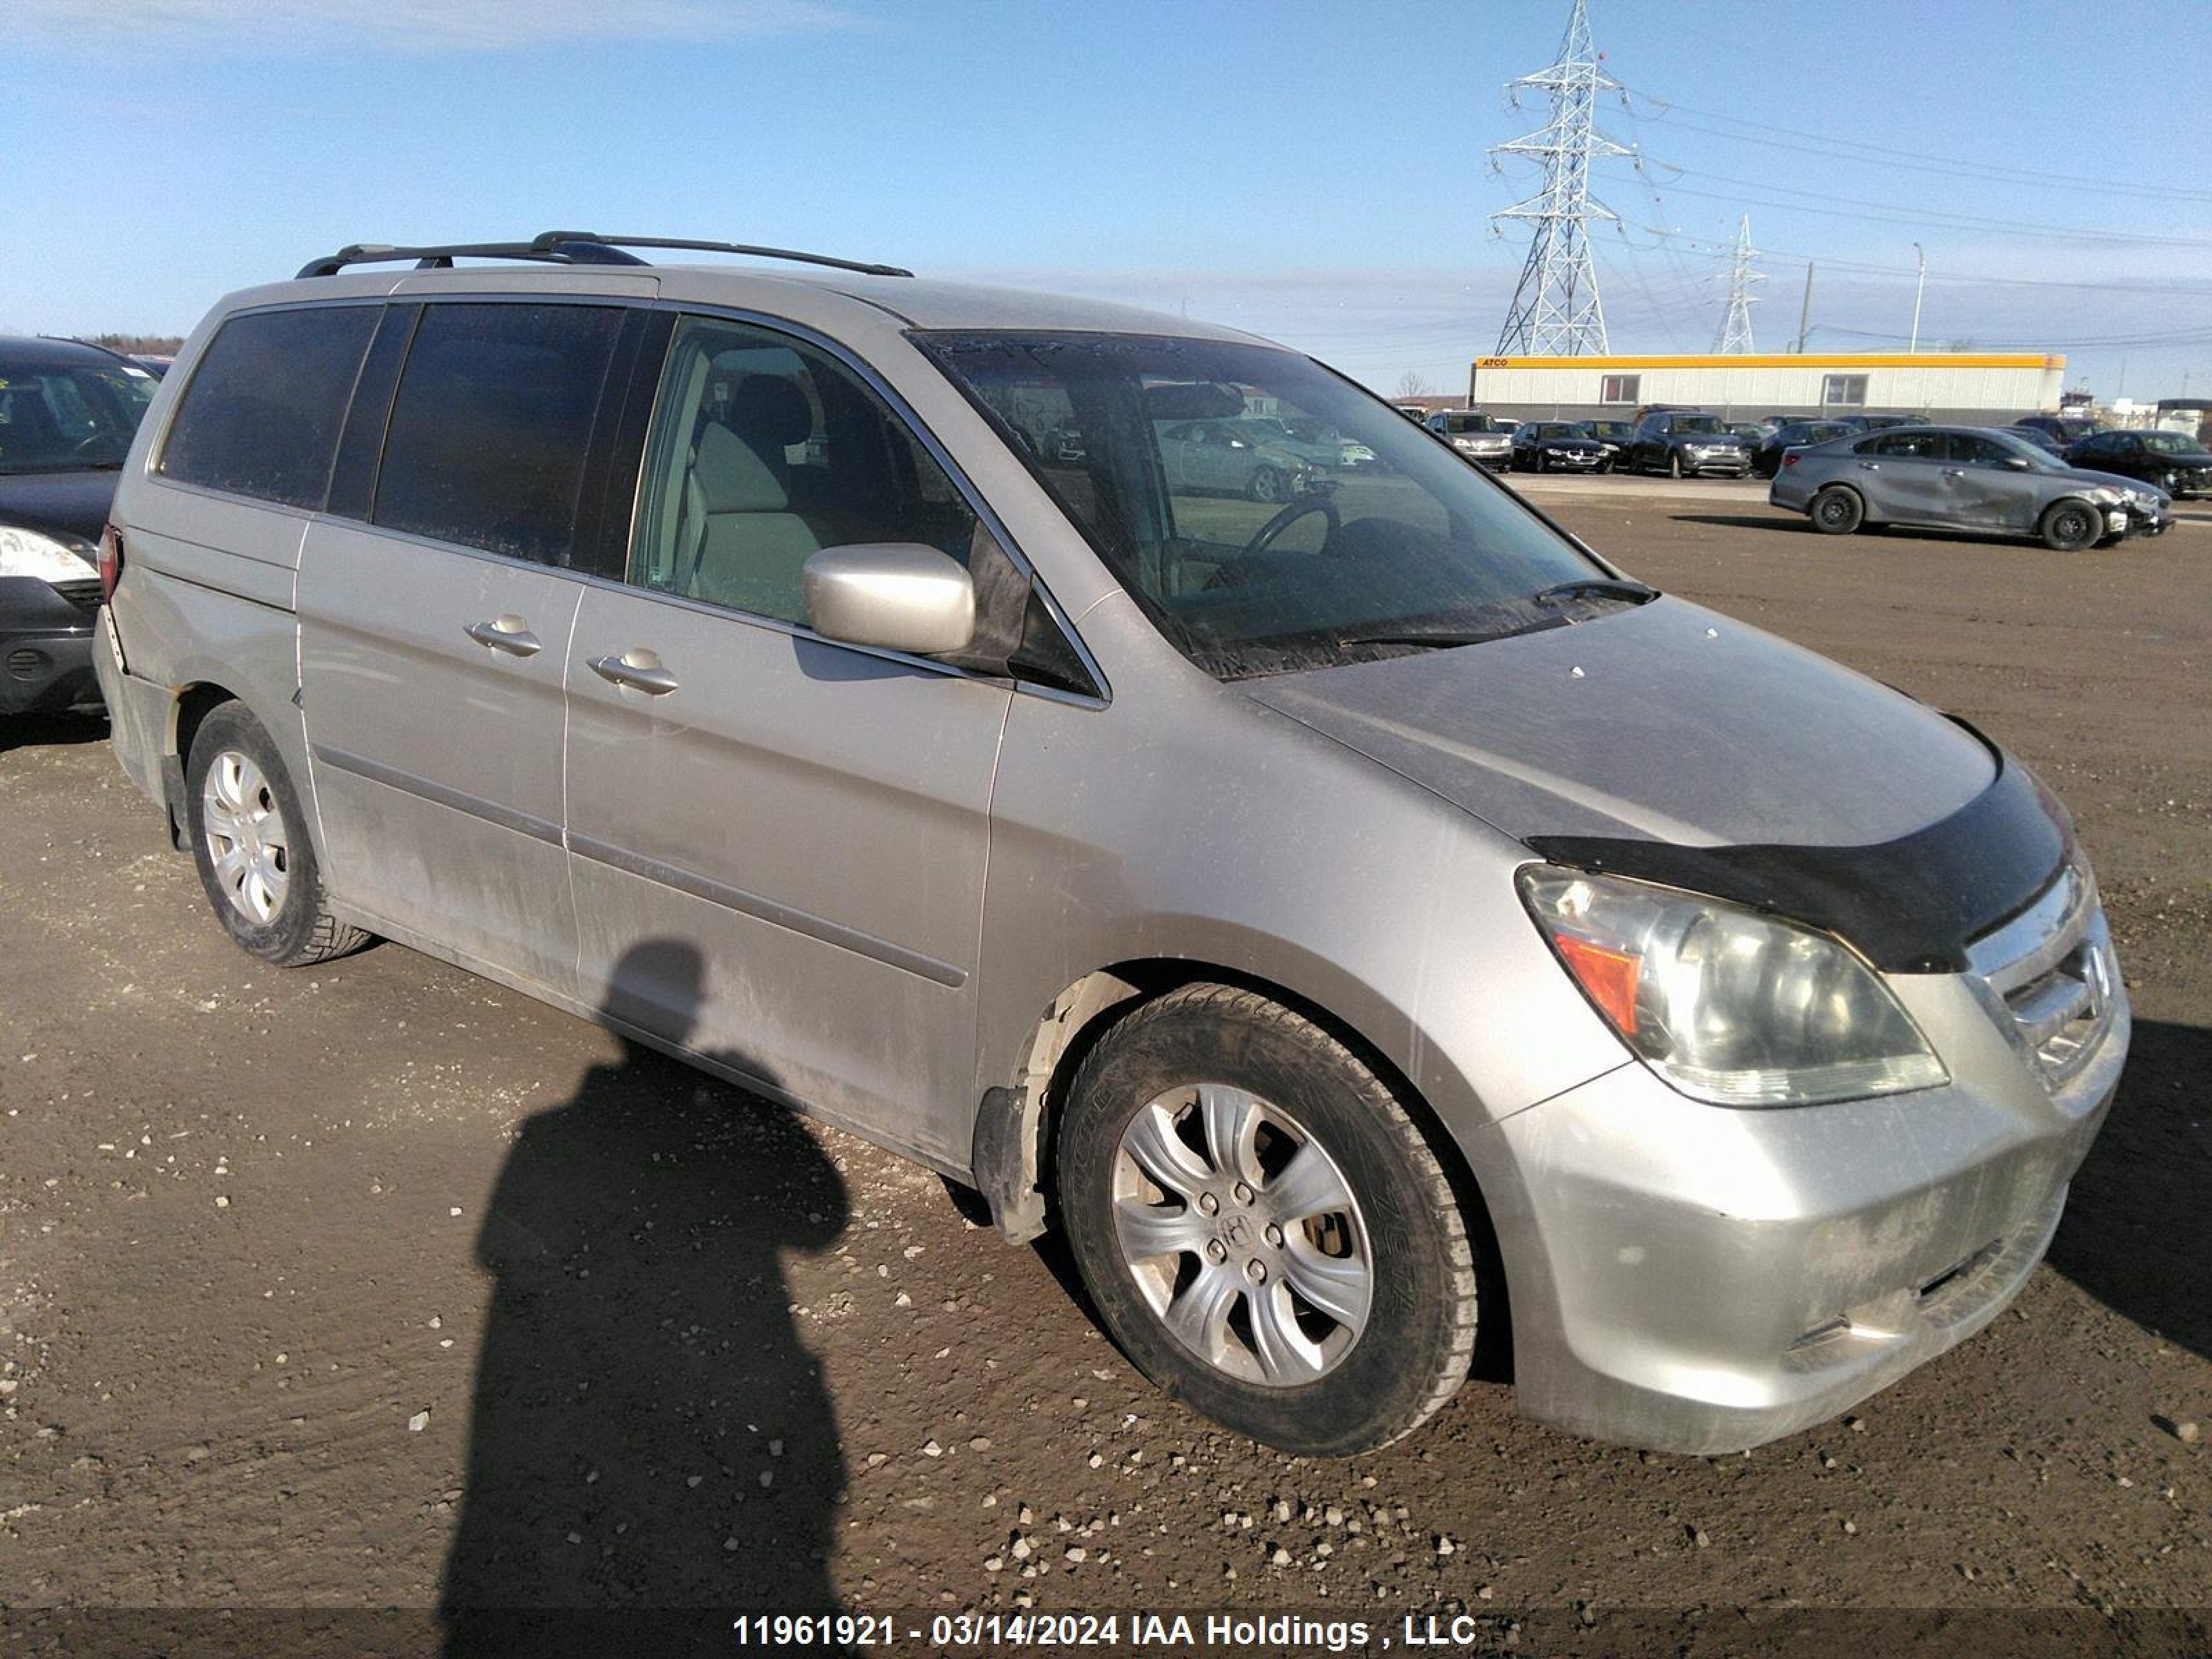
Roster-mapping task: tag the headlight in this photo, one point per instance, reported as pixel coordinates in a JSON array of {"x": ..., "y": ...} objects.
[
  {"x": 1727, "y": 1005},
  {"x": 50, "y": 558}
]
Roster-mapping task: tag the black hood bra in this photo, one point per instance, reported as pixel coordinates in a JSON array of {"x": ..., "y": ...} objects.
[{"x": 1911, "y": 905}]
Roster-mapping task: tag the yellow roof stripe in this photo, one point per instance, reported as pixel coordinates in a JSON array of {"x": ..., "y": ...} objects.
[{"x": 1787, "y": 359}]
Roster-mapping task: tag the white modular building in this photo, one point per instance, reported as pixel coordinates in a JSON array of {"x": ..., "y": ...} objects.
[{"x": 1969, "y": 388}]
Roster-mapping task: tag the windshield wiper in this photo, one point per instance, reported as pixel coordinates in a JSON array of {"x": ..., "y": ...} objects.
[
  {"x": 1597, "y": 588},
  {"x": 1440, "y": 640},
  {"x": 1445, "y": 638}
]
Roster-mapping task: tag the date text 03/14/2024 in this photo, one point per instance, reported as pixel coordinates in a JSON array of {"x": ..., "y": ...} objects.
[{"x": 990, "y": 1631}]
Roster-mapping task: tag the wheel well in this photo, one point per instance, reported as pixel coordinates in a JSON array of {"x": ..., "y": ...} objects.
[
  {"x": 193, "y": 705},
  {"x": 1083, "y": 1014}
]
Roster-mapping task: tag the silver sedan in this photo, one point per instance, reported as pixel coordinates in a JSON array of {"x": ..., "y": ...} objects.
[{"x": 1963, "y": 478}]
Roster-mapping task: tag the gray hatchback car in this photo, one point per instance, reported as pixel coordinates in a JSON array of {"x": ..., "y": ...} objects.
[
  {"x": 1963, "y": 477},
  {"x": 1371, "y": 925}
]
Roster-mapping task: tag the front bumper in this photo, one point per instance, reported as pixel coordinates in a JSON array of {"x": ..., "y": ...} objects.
[
  {"x": 1723, "y": 466},
  {"x": 46, "y": 648},
  {"x": 2147, "y": 521},
  {"x": 1698, "y": 1280}
]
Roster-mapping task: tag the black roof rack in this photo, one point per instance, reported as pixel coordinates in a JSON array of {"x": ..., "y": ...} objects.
[
  {"x": 592, "y": 238},
  {"x": 570, "y": 247},
  {"x": 543, "y": 250}
]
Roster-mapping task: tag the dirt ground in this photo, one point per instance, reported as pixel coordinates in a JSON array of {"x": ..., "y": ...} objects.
[{"x": 375, "y": 1285}]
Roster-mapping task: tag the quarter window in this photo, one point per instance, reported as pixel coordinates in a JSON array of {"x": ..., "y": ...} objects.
[
  {"x": 266, "y": 402},
  {"x": 492, "y": 424},
  {"x": 764, "y": 451},
  {"x": 1620, "y": 389},
  {"x": 1840, "y": 391}
]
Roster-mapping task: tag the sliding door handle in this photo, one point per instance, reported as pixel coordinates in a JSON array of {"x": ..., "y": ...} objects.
[
  {"x": 507, "y": 633},
  {"x": 637, "y": 668}
]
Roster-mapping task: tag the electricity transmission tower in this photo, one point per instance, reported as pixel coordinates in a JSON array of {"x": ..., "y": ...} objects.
[
  {"x": 1734, "y": 338},
  {"x": 1555, "y": 311}
]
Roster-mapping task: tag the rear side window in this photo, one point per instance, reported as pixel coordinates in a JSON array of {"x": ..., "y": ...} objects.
[
  {"x": 1914, "y": 444},
  {"x": 492, "y": 424},
  {"x": 267, "y": 402}
]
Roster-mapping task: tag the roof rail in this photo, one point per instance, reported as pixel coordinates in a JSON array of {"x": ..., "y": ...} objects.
[
  {"x": 557, "y": 249},
  {"x": 570, "y": 247},
  {"x": 593, "y": 239}
]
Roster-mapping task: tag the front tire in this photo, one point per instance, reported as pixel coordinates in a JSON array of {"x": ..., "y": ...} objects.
[
  {"x": 1264, "y": 1231},
  {"x": 2070, "y": 526},
  {"x": 1837, "y": 512},
  {"x": 1266, "y": 485},
  {"x": 250, "y": 843}
]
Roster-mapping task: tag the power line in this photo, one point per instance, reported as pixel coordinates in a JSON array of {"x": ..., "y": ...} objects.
[
  {"x": 2158, "y": 192},
  {"x": 1953, "y": 221},
  {"x": 1716, "y": 251},
  {"x": 1917, "y": 159},
  {"x": 2184, "y": 336}
]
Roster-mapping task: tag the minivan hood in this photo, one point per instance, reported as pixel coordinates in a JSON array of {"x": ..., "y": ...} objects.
[{"x": 1667, "y": 722}]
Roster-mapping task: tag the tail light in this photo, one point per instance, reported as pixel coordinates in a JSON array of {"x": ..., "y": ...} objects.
[
  {"x": 111, "y": 560},
  {"x": 1789, "y": 459}
]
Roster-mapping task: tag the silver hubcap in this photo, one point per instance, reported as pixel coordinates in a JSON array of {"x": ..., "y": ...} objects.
[
  {"x": 246, "y": 840},
  {"x": 1242, "y": 1233}
]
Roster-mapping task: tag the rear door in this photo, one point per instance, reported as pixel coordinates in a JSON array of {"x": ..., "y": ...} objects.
[
  {"x": 777, "y": 843},
  {"x": 1903, "y": 470},
  {"x": 435, "y": 609}
]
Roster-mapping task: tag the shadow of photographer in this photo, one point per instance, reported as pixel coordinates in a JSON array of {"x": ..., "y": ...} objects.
[{"x": 649, "y": 1430}]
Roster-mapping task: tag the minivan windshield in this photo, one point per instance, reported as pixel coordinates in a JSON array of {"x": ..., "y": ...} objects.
[
  {"x": 1252, "y": 561},
  {"x": 73, "y": 418}
]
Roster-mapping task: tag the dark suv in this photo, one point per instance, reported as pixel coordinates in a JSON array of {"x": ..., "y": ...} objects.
[
  {"x": 1685, "y": 444},
  {"x": 68, "y": 413},
  {"x": 1766, "y": 459},
  {"x": 2067, "y": 428}
]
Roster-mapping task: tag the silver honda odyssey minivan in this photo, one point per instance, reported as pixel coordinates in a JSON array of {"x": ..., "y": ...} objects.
[{"x": 1392, "y": 942}]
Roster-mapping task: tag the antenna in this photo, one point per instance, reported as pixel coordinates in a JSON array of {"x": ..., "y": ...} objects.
[
  {"x": 1555, "y": 311},
  {"x": 1735, "y": 338}
]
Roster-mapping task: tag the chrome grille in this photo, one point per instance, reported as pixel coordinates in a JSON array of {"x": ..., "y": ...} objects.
[{"x": 2047, "y": 976}]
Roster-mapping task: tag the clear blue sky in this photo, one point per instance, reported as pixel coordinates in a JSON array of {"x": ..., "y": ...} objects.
[{"x": 1316, "y": 171}]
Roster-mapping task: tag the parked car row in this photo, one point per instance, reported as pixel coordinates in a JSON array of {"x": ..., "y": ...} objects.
[{"x": 1677, "y": 442}]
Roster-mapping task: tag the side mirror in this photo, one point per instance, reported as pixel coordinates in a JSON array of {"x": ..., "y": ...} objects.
[
  {"x": 2015, "y": 464},
  {"x": 896, "y": 596}
]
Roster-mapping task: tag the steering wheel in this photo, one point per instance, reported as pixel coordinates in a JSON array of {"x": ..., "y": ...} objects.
[{"x": 1324, "y": 505}]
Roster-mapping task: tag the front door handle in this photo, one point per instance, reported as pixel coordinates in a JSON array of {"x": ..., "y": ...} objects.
[
  {"x": 637, "y": 668},
  {"x": 1954, "y": 472},
  {"x": 506, "y": 632},
  {"x": 1870, "y": 466}
]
